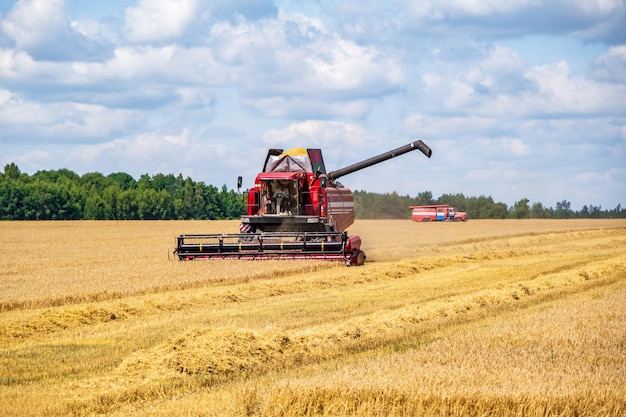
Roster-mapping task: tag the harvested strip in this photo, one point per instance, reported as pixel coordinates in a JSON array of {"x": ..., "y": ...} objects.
[{"x": 224, "y": 354}]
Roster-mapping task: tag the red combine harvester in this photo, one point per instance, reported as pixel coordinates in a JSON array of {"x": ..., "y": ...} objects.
[
  {"x": 437, "y": 213},
  {"x": 296, "y": 210}
]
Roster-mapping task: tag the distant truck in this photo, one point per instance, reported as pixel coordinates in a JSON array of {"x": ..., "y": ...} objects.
[{"x": 437, "y": 213}]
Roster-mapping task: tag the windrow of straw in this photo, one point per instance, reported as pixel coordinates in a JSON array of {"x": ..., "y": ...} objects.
[
  {"x": 561, "y": 358},
  {"x": 555, "y": 359},
  {"x": 217, "y": 355}
]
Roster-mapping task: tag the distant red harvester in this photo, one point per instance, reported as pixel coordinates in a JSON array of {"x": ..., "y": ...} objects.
[
  {"x": 437, "y": 213},
  {"x": 295, "y": 210}
]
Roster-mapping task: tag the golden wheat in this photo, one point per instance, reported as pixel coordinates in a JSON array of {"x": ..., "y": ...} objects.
[
  {"x": 444, "y": 320},
  {"x": 56, "y": 263},
  {"x": 554, "y": 359}
]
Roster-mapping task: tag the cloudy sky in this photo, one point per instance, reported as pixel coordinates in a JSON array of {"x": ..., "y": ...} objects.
[{"x": 517, "y": 98}]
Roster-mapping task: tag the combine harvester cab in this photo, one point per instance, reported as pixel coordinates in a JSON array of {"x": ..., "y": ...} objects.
[{"x": 295, "y": 210}]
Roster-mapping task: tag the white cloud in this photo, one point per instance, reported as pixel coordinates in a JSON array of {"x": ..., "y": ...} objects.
[
  {"x": 349, "y": 66},
  {"x": 558, "y": 92},
  {"x": 67, "y": 121},
  {"x": 591, "y": 20},
  {"x": 80, "y": 121},
  {"x": 30, "y": 161},
  {"x": 20, "y": 66},
  {"x": 42, "y": 29},
  {"x": 611, "y": 66},
  {"x": 303, "y": 107},
  {"x": 319, "y": 133},
  {"x": 450, "y": 127},
  {"x": 159, "y": 20},
  {"x": 156, "y": 145},
  {"x": 433, "y": 9},
  {"x": 153, "y": 151},
  {"x": 31, "y": 22},
  {"x": 341, "y": 143},
  {"x": 500, "y": 85},
  {"x": 317, "y": 64},
  {"x": 431, "y": 80},
  {"x": 501, "y": 60},
  {"x": 15, "y": 111},
  {"x": 515, "y": 147},
  {"x": 5, "y": 96},
  {"x": 85, "y": 155},
  {"x": 320, "y": 73}
]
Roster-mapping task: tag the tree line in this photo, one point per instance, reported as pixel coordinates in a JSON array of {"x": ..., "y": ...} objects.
[
  {"x": 393, "y": 206},
  {"x": 64, "y": 195}
]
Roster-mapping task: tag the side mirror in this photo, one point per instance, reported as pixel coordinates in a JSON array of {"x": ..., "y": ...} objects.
[
  {"x": 323, "y": 181},
  {"x": 239, "y": 182}
]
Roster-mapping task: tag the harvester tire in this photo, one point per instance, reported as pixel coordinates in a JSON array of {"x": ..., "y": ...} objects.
[{"x": 357, "y": 258}]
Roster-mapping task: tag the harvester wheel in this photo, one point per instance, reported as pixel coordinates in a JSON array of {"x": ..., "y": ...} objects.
[{"x": 357, "y": 258}]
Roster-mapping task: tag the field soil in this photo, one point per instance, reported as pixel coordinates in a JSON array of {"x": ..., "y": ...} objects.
[{"x": 488, "y": 317}]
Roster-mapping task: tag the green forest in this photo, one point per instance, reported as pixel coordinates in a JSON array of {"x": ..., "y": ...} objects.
[
  {"x": 64, "y": 195},
  {"x": 393, "y": 206}
]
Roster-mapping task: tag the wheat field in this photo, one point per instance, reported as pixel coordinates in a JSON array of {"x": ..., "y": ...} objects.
[{"x": 488, "y": 317}]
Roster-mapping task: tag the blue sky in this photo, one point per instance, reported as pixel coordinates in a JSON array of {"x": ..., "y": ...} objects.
[{"x": 517, "y": 98}]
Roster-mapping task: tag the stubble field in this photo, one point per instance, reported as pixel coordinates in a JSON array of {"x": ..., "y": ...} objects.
[{"x": 498, "y": 318}]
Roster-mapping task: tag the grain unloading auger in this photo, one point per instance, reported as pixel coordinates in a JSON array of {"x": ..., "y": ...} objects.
[{"x": 296, "y": 210}]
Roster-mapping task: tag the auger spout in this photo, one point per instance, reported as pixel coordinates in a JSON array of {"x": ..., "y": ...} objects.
[{"x": 418, "y": 144}]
